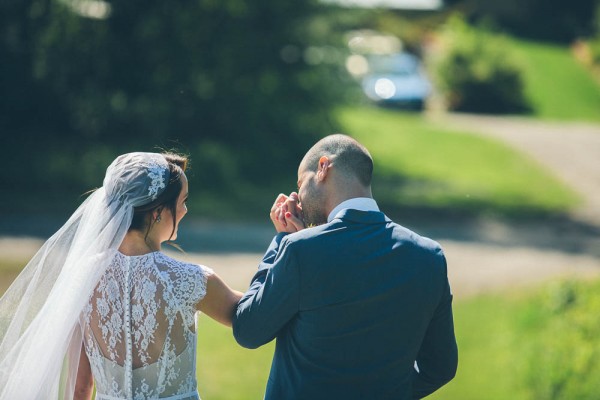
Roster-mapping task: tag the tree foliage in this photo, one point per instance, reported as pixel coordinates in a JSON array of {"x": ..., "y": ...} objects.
[
  {"x": 547, "y": 20},
  {"x": 477, "y": 71},
  {"x": 245, "y": 87}
]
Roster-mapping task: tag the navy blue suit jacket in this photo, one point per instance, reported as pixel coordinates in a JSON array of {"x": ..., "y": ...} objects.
[{"x": 353, "y": 304}]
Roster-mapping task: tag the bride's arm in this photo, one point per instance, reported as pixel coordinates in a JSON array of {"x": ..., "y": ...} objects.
[
  {"x": 84, "y": 385},
  {"x": 220, "y": 300}
]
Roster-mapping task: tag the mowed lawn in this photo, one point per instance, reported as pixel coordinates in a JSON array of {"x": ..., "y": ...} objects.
[
  {"x": 487, "y": 334},
  {"x": 227, "y": 371},
  {"x": 525, "y": 345},
  {"x": 421, "y": 164},
  {"x": 558, "y": 86},
  {"x": 490, "y": 344},
  {"x": 495, "y": 335}
]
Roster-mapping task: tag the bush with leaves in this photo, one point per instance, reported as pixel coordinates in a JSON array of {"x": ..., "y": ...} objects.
[
  {"x": 477, "y": 72},
  {"x": 594, "y": 48},
  {"x": 563, "y": 362}
]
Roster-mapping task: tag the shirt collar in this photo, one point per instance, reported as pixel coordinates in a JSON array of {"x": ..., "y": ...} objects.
[{"x": 357, "y": 203}]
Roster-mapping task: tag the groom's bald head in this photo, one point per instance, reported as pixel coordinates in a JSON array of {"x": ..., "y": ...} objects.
[{"x": 350, "y": 158}]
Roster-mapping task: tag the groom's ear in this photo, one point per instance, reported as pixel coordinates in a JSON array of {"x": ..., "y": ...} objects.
[{"x": 323, "y": 168}]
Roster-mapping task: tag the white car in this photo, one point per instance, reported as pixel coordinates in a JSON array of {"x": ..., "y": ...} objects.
[{"x": 396, "y": 80}]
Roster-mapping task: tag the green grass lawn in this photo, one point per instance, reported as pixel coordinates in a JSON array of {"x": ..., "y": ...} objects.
[
  {"x": 502, "y": 340},
  {"x": 557, "y": 85},
  {"x": 485, "y": 334},
  {"x": 227, "y": 371},
  {"x": 533, "y": 344},
  {"x": 490, "y": 352},
  {"x": 419, "y": 163}
]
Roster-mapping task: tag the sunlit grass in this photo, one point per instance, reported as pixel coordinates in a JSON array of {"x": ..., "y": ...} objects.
[
  {"x": 419, "y": 163},
  {"x": 500, "y": 337},
  {"x": 489, "y": 343},
  {"x": 540, "y": 344},
  {"x": 487, "y": 331},
  {"x": 495, "y": 334},
  {"x": 557, "y": 85},
  {"x": 227, "y": 371}
]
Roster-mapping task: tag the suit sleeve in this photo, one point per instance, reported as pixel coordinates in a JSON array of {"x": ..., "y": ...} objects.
[
  {"x": 272, "y": 299},
  {"x": 437, "y": 359}
]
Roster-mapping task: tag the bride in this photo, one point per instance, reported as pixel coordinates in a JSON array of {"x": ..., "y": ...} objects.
[{"x": 100, "y": 303}]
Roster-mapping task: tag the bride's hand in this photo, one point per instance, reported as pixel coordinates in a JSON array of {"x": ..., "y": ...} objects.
[
  {"x": 293, "y": 213},
  {"x": 277, "y": 213},
  {"x": 285, "y": 213}
]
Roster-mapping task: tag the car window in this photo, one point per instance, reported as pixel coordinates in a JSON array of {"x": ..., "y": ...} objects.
[{"x": 397, "y": 65}]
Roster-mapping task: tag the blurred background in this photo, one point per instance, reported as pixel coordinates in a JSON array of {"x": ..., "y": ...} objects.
[{"x": 483, "y": 119}]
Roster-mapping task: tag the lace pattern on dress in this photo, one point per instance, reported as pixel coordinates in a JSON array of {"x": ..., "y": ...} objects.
[{"x": 139, "y": 328}]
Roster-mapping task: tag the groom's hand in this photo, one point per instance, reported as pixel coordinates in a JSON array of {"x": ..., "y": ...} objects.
[{"x": 285, "y": 213}]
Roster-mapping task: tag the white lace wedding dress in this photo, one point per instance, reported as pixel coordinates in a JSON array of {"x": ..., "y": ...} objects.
[{"x": 139, "y": 328}]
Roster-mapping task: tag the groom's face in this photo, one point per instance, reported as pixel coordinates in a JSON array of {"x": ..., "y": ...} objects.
[{"x": 311, "y": 196}]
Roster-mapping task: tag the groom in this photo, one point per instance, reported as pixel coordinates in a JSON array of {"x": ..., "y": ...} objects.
[{"x": 360, "y": 306}]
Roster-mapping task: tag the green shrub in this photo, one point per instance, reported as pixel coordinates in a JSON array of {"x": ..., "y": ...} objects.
[
  {"x": 478, "y": 72},
  {"x": 594, "y": 45},
  {"x": 564, "y": 360}
]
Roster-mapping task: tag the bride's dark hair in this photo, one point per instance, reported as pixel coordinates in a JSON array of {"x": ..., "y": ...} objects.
[{"x": 142, "y": 215}]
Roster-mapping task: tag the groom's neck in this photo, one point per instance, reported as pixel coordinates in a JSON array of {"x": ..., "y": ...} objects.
[{"x": 340, "y": 193}]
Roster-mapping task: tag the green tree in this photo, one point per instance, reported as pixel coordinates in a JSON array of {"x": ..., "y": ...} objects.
[
  {"x": 244, "y": 87},
  {"x": 477, "y": 71},
  {"x": 548, "y": 20}
]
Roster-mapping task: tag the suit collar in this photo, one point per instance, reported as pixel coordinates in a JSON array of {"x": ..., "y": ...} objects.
[
  {"x": 363, "y": 217},
  {"x": 356, "y": 203}
]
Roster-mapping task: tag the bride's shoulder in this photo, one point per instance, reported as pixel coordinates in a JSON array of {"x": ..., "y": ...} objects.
[
  {"x": 187, "y": 280},
  {"x": 183, "y": 266}
]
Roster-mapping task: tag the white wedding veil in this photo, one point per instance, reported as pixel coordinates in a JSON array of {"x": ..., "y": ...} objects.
[{"x": 40, "y": 340}]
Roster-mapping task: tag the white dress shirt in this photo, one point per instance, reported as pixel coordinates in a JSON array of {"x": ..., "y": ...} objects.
[{"x": 357, "y": 203}]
